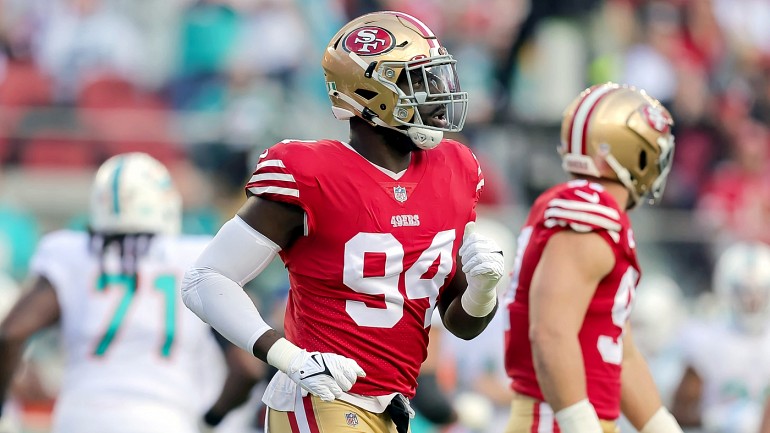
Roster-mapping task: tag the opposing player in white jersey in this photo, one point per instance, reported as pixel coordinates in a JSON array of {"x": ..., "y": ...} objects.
[
  {"x": 136, "y": 360},
  {"x": 727, "y": 377}
]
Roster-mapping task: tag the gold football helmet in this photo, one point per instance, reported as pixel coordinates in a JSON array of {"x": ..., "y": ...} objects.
[
  {"x": 627, "y": 130},
  {"x": 389, "y": 69}
]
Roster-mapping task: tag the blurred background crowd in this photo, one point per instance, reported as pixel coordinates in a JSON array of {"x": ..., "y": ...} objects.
[{"x": 205, "y": 86}]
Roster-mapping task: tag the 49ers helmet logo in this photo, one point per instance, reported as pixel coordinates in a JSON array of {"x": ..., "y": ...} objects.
[
  {"x": 369, "y": 41},
  {"x": 657, "y": 118}
]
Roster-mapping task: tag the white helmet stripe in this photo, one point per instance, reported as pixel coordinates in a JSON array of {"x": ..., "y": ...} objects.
[
  {"x": 426, "y": 32},
  {"x": 582, "y": 115}
]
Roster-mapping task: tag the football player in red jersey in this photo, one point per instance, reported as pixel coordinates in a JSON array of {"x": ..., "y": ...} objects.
[
  {"x": 369, "y": 231},
  {"x": 568, "y": 345}
]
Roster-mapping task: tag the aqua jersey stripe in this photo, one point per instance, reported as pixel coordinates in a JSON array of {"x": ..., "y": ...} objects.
[{"x": 115, "y": 187}]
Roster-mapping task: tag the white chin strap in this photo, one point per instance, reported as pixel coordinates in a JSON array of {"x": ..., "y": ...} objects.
[
  {"x": 625, "y": 178},
  {"x": 424, "y": 138}
]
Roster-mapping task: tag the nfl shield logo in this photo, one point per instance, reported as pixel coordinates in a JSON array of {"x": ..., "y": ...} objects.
[
  {"x": 351, "y": 419},
  {"x": 399, "y": 192}
]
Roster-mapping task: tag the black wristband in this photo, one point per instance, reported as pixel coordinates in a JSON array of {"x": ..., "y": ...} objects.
[{"x": 212, "y": 418}]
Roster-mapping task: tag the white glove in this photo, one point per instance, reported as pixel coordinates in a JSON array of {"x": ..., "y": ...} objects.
[
  {"x": 326, "y": 375},
  {"x": 483, "y": 264}
]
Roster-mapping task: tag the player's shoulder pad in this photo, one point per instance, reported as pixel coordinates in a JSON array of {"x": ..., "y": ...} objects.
[
  {"x": 298, "y": 156},
  {"x": 285, "y": 166},
  {"x": 583, "y": 206},
  {"x": 298, "y": 151},
  {"x": 458, "y": 154},
  {"x": 62, "y": 241}
]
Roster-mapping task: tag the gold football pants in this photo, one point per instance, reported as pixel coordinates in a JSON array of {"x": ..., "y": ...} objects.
[
  {"x": 317, "y": 416},
  {"x": 529, "y": 415}
]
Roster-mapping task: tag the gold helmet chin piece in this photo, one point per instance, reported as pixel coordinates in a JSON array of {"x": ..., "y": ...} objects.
[
  {"x": 389, "y": 69},
  {"x": 619, "y": 132}
]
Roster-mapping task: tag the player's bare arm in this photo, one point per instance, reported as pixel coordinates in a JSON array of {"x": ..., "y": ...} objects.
[
  {"x": 687, "y": 398},
  {"x": 37, "y": 309},
  {"x": 639, "y": 399},
  {"x": 563, "y": 284},
  {"x": 456, "y": 320}
]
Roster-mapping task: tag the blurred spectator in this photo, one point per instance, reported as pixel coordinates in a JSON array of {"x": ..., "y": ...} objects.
[
  {"x": 735, "y": 202},
  {"x": 207, "y": 33},
  {"x": 649, "y": 64},
  {"x": 81, "y": 39},
  {"x": 271, "y": 42},
  {"x": 19, "y": 233}
]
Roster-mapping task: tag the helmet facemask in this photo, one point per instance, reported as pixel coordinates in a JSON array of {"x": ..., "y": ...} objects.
[
  {"x": 429, "y": 100},
  {"x": 665, "y": 161}
]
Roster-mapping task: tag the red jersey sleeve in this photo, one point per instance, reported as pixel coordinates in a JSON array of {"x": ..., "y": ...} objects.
[
  {"x": 282, "y": 174},
  {"x": 584, "y": 207}
]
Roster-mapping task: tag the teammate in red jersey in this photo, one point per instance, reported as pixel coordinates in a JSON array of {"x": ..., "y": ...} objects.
[
  {"x": 369, "y": 231},
  {"x": 568, "y": 345}
]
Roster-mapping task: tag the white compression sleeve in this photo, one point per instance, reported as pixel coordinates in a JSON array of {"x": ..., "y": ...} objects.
[{"x": 212, "y": 287}]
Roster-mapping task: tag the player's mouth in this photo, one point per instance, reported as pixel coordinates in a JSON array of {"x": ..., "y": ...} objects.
[{"x": 438, "y": 117}]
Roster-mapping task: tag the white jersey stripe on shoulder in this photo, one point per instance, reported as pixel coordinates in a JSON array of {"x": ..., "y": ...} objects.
[
  {"x": 284, "y": 177},
  {"x": 294, "y": 140},
  {"x": 292, "y": 192},
  {"x": 270, "y": 163},
  {"x": 479, "y": 185},
  {"x": 581, "y": 115},
  {"x": 425, "y": 30},
  {"x": 582, "y": 217},
  {"x": 585, "y": 206},
  {"x": 545, "y": 423}
]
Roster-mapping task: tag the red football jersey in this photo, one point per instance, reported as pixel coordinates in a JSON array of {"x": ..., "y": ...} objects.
[
  {"x": 583, "y": 207},
  {"x": 376, "y": 253}
]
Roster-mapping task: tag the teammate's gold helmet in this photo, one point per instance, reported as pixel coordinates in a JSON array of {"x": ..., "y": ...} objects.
[
  {"x": 627, "y": 129},
  {"x": 389, "y": 69}
]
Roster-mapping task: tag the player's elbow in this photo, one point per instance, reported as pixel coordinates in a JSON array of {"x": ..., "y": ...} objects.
[
  {"x": 191, "y": 284},
  {"x": 548, "y": 335},
  {"x": 465, "y": 333}
]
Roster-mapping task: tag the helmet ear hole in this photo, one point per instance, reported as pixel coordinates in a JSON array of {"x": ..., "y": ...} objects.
[
  {"x": 642, "y": 160},
  {"x": 366, "y": 94}
]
